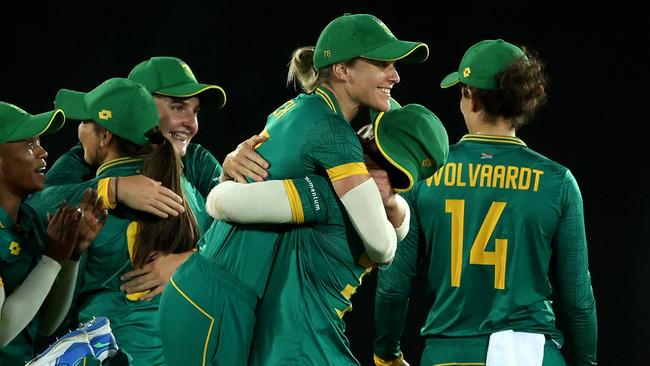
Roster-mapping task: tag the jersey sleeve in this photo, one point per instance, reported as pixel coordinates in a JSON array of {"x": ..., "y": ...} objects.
[
  {"x": 333, "y": 146},
  {"x": 572, "y": 282},
  {"x": 393, "y": 291},
  {"x": 309, "y": 198},
  {"x": 51, "y": 198},
  {"x": 201, "y": 168},
  {"x": 69, "y": 168}
]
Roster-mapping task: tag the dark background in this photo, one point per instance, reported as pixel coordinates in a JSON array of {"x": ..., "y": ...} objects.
[{"x": 595, "y": 122}]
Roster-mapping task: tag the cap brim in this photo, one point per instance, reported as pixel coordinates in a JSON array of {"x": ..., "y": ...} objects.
[
  {"x": 39, "y": 124},
  {"x": 401, "y": 178},
  {"x": 450, "y": 80},
  {"x": 406, "y": 51},
  {"x": 73, "y": 104},
  {"x": 212, "y": 95}
]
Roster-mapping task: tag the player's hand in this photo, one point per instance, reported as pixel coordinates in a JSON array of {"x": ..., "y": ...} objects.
[
  {"x": 245, "y": 162},
  {"x": 154, "y": 275},
  {"x": 92, "y": 221},
  {"x": 394, "y": 212},
  {"x": 145, "y": 194},
  {"x": 62, "y": 233},
  {"x": 385, "y": 188},
  {"x": 396, "y": 362}
]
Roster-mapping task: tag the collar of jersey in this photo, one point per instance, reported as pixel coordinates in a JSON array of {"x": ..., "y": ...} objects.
[
  {"x": 329, "y": 99},
  {"x": 118, "y": 162},
  {"x": 5, "y": 220},
  {"x": 493, "y": 139},
  {"x": 23, "y": 212}
]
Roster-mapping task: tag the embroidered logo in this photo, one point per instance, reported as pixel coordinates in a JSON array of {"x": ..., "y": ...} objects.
[
  {"x": 486, "y": 156},
  {"x": 467, "y": 72},
  {"x": 427, "y": 163},
  {"x": 14, "y": 248},
  {"x": 188, "y": 71},
  {"x": 105, "y": 114},
  {"x": 384, "y": 27}
]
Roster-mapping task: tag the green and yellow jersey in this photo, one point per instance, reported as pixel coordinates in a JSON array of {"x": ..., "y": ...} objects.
[
  {"x": 71, "y": 175},
  {"x": 500, "y": 230},
  {"x": 316, "y": 268},
  {"x": 21, "y": 247},
  {"x": 134, "y": 322},
  {"x": 307, "y": 135}
]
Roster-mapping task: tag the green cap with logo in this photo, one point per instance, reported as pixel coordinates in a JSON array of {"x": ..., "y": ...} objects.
[
  {"x": 413, "y": 140},
  {"x": 16, "y": 124},
  {"x": 482, "y": 63},
  {"x": 172, "y": 77},
  {"x": 363, "y": 35},
  {"x": 121, "y": 106}
]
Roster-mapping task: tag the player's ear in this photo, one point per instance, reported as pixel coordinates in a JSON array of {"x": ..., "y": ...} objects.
[
  {"x": 105, "y": 137},
  {"x": 340, "y": 71}
]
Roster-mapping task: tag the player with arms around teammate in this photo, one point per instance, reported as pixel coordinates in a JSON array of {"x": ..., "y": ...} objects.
[
  {"x": 118, "y": 134},
  {"x": 308, "y": 134},
  {"x": 501, "y": 235}
]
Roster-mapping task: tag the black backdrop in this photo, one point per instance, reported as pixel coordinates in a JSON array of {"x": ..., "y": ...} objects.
[{"x": 595, "y": 123}]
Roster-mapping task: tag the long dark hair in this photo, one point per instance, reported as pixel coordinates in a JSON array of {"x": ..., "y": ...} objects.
[
  {"x": 521, "y": 91},
  {"x": 173, "y": 234}
]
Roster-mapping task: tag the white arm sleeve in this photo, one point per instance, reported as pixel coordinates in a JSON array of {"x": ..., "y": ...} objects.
[
  {"x": 17, "y": 310},
  {"x": 262, "y": 202},
  {"x": 403, "y": 229},
  {"x": 364, "y": 206},
  {"x": 58, "y": 302}
]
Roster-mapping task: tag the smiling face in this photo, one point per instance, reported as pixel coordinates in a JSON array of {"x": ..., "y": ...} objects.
[
  {"x": 178, "y": 120},
  {"x": 370, "y": 83},
  {"x": 22, "y": 166}
]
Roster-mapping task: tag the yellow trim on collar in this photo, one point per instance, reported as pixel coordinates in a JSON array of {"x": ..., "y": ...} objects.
[
  {"x": 390, "y": 160},
  {"x": 493, "y": 138},
  {"x": 118, "y": 161},
  {"x": 327, "y": 99}
]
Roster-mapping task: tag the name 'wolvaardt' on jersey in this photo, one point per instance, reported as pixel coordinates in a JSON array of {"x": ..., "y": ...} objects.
[{"x": 487, "y": 175}]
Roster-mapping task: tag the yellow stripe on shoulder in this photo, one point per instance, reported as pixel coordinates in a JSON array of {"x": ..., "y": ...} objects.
[
  {"x": 346, "y": 170},
  {"x": 102, "y": 191},
  {"x": 297, "y": 214},
  {"x": 131, "y": 233}
]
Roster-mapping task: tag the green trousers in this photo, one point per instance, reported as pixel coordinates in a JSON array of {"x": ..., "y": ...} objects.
[{"x": 207, "y": 317}]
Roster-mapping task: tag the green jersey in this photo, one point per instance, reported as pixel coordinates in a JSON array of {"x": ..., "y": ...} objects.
[
  {"x": 500, "y": 230},
  {"x": 134, "y": 322},
  {"x": 318, "y": 268},
  {"x": 21, "y": 247},
  {"x": 307, "y": 135},
  {"x": 70, "y": 175}
]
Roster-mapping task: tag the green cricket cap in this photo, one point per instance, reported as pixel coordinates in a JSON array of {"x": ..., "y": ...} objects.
[
  {"x": 414, "y": 141},
  {"x": 363, "y": 35},
  {"x": 172, "y": 77},
  {"x": 482, "y": 63},
  {"x": 16, "y": 124},
  {"x": 120, "y": 105}
]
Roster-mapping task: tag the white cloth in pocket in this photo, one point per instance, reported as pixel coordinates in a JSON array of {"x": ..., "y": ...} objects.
[{"x": 510, "y": 348}]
